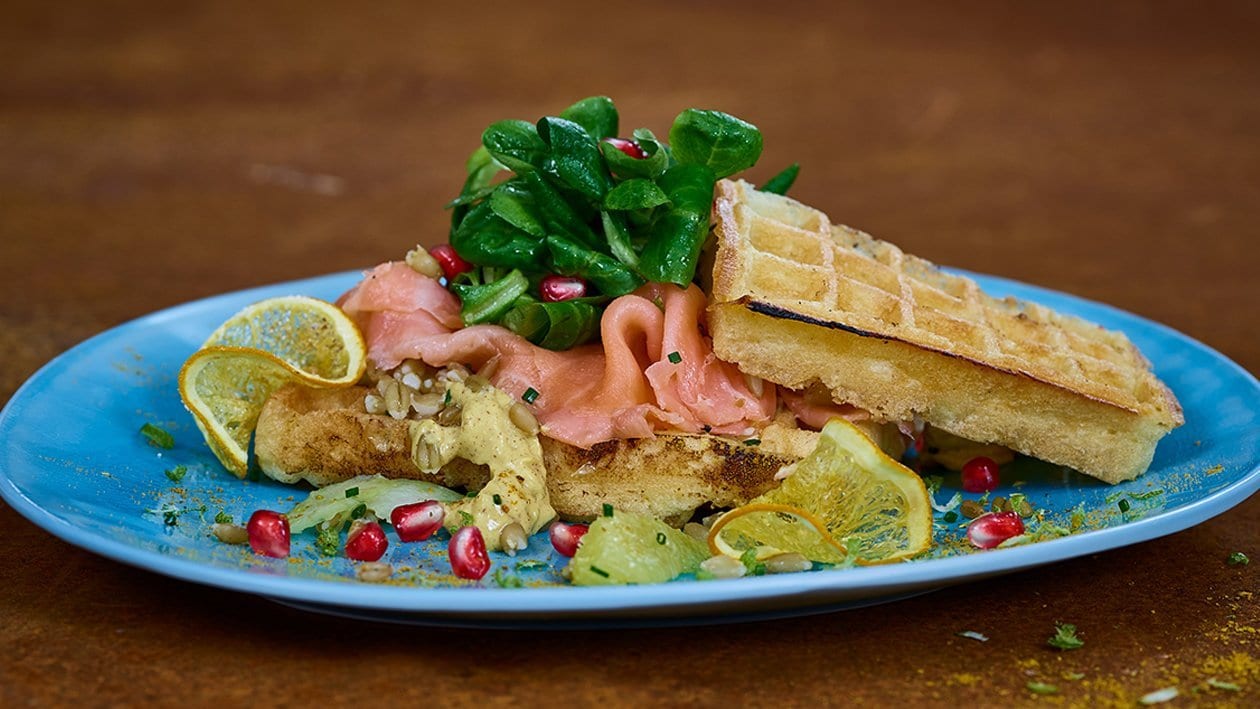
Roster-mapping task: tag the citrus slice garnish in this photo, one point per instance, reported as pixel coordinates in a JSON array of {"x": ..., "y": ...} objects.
[
  {"x": 793, "y": 530},
  {"x": 263, "y": 347},
  {"x": 845, "y": 495},
  {"x": 630, "y": 548}
]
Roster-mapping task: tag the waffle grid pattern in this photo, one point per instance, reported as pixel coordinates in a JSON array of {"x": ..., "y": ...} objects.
[{"x": 793, "y": 257}]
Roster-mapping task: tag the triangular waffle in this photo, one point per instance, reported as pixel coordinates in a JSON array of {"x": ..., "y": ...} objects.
[{"x": 797, "y": 300}]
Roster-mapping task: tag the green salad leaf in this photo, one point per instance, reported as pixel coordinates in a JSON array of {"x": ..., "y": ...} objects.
[
  {"x": 559, "y": 196},
  {"x": 515, "y": 144},
  {"x": 555, "y": 326},
  {"x": 378, "y": 494},
  {"x": 597, "y": 115},
  {"x": 486, "y": 239},
  {"x": 626, "y": 167},
  {"x": 635, "y": 193},
  {"x": 782, "y": 182},
  {"x": 677, "y": 237},
  {"x": 491, "y": 301},
  {"x": 719, "y": 141},
  {"x": 574, "y": 158}
]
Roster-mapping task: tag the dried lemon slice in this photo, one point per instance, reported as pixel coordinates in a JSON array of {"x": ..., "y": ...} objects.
[
  {"x": 846, "y": 495},
  {"x": 268, "y": 344}
]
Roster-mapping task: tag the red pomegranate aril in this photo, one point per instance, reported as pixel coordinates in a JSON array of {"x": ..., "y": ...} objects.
[
  {"x": 467, "y": 552},
  {"x": 418, "y": 521},
  {"x": 988, "y": 531},
  {"x": 554, "y": 289},
  {"x": 268, "y": 533},
  {"x": 451, "y": 263},
  {"x": 565, "y": 537},
  {"x": 980, "y": 475},
  {"x": 366, "y": 541},
  {"x": 629, "y": 147}
]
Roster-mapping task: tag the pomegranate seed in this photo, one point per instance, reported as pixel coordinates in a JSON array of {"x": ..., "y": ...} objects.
[
  {"x": 988, "y": 531},
  {"x": 417, "y": 522},
  {"x": 269, "y": 533},
  {"x": 366, "y": 541},
  {"x": 980, "y": 475},
  {"x": 467, "y": 551},
  {"x": 565, "y": 537},
  {"x": 452, "y": 265},
  {"x": 557, "y": 288},
  {"x": 629, "y": 147}
]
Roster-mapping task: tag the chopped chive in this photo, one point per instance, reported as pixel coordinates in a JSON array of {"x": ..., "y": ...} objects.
[
  {"x": 497, "y": 500},
  {"x": 1215, "y": 683},
  {"x": 157, "y": 436},
  {"x": 177, "y": 473},
  {"x": 597, "y": 570},
  {"x": 660, "y": 538},
  {"x": 446, "y": 400},
  {"x": 530, "y": 395},
  {"x": 753, "y": 442},
  {"x": 950, "y": 516},
  {"x": 608, "y": 510},
  {"x": 223, "y": 517},
  {"x": 1042, "y": 688},
  {"x": 470, "y": 494},
  {"x": 466, "y": 518},
  {"x": 1123, "y": 505},
  {"x": 675, "y": 358},
  {"x": 352, "y": 491},
  {"x": 171, "y": 517},
  {"x": 358, "y": 511},
  {"x": 530, "y": 565}
]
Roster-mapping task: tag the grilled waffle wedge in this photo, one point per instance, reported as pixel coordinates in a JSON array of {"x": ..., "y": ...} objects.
[
  {"x": 325, "y": 436},
  {"x": 797, "y": 300}
]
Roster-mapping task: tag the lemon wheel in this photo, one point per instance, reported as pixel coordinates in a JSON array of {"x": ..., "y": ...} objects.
[
  {"x": 263, "y": 347},
  {"x": 845, "y": 497}
]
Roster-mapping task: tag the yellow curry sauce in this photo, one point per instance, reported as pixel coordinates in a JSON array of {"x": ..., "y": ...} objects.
[{"x": 485, "y": 435}]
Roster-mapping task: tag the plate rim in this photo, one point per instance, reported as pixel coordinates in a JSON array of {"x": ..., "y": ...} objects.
[{"x": 673, "y": 599}]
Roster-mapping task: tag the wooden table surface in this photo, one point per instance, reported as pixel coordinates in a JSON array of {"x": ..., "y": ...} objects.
[{"x": 155, "y": 153}]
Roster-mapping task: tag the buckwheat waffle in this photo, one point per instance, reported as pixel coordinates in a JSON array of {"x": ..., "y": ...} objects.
[{"x": 796, "y": 300}]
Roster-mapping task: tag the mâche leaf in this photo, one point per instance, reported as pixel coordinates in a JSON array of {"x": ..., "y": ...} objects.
[
  {"x": 606, "y": 273},
  {"x": 574, "y": 158},
  {"x": 554, "y": 326},
  {"x": 618, "y": 236},
  {"x": 482, "y": 169},
  {"x": 674, "y": 243},
  {"x": 486, "y": 239},
  {"x": 515, "y": 144},
  {"x": 558, "y": 214},
  {"x": 626, "y": 167},
  {"x": 488, "y": 303},
  {"x": 782, "y": 182},
  {"x": 636, "y": 193},
  {"x": 716, "y": 140},
  {"x": 596, "y": 114},
  {"x": 514, "y": 203}
]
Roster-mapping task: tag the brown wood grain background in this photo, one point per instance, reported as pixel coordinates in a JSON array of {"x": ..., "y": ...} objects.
[{"x": 155, "y": 153}]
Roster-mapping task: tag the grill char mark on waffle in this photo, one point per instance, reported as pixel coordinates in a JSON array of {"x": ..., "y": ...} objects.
[{"x": 775, "y": 311}]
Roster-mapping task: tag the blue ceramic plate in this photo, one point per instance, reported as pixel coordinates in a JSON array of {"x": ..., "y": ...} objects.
[{"x": 72, "y": 461}]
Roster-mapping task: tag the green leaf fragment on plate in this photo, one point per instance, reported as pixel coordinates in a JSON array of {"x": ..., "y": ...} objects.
[{"x": 378, "y": 494}]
